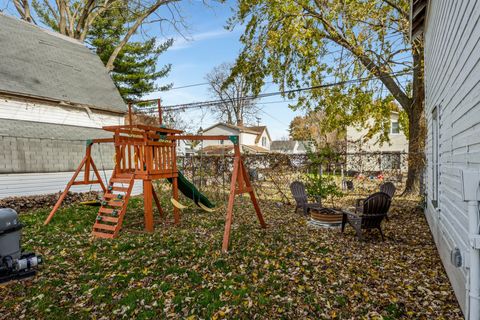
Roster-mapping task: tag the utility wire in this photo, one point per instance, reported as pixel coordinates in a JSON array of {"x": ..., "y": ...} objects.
[
  {"x": 323, "y": 56},
  {"x": 212, "y": 103}
]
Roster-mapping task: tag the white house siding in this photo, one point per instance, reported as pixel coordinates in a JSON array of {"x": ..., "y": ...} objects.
[
  {"x": 43, "y": 112},
  {"x": 264, "y": 135},
  {"x": 366, "y": 155},
  {"x": 452, "y": 75},
  {"x": 219, "y": 130},
  {"x": 27, "y": 184},
  {"x": 248, "y": 138},
  {"x": 356, "y": 140}
]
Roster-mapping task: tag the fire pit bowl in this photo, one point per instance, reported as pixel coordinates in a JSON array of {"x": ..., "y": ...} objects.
[{"x": 325, "y": 217}]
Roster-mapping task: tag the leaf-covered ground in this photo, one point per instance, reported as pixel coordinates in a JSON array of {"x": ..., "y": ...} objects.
[{"x": 286, "y": 271}]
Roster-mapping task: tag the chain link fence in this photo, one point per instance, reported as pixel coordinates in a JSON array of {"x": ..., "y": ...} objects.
[{"x": 272, "y": 174}]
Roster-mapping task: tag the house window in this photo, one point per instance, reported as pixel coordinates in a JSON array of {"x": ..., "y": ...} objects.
[
  {"x": 435, "y": 145},
  {"x": 221, "y": 141},
  {"x": 394, "y": 127},
  {"x": 264, "y": 141}
]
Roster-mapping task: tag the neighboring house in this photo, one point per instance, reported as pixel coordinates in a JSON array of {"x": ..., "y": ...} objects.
[
  {"x": 376, "y": 156},
  {"x": 291, "y": 146},
  {"x": 451, "y": 34},
  {"x": 184, "y": 148},
  {"x": 54, "y": 95},
  {"x": 251, "y": 139}
]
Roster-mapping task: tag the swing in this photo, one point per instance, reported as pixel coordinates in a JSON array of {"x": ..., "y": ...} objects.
[
  {"x": 177, "y": 204},
  {"x": 91, "y": 203},
  {"x": 97, "y": 202}
]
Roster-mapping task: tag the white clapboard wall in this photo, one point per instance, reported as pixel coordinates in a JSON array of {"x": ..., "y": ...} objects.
[
  {"x": 43, "y": 112},
  {"x": 452, "y": 73},
  {"x": 27, "y": 184}
]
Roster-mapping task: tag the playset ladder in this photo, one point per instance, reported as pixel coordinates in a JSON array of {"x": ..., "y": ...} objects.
[{"x": 114, "y": 205}]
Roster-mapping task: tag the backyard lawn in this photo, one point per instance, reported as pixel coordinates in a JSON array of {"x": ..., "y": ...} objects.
[{"x": 286, "y": 271}]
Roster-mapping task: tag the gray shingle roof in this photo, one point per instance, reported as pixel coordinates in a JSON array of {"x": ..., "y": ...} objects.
[
  {"x": 40, "y": 63},
  {"x": 39, "y": 130}
]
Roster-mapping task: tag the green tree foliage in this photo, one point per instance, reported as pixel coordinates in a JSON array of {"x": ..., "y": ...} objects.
[
  {"x": 313, "y": 43},
  {"x": 135, "y": 68}
]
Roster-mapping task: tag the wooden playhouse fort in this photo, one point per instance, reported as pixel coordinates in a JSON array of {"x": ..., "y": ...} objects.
[{"x": 148, "y": 153}]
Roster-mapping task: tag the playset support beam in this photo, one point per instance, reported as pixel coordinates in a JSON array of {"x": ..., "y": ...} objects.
[{"x": 86, "y": 162}]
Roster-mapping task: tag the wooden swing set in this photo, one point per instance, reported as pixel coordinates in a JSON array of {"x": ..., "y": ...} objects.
[{"x": 148, "y": 153}]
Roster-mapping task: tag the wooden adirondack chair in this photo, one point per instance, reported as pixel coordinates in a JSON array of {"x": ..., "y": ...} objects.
[
  {"x": 388, "y": 188},
  {"x": 370, "y": 215},
  {"x": 300, "y": 195}
]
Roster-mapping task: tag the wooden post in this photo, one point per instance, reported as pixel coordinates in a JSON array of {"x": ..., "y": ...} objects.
[
  {"x": 160, "y": 120},
  {"x": 240, "y": 177},
  {"x": 69, "y": 185},
  {"x": 147, "y": 204},
  {"x": 157, "y": 202},
  {"x": 231, "y": 200},
  {"x": 86, "y": 175},
  {"x": 129, "y": 115},
  {"x": 251, "y": 192},
  {"x": 176, "y": 213}
]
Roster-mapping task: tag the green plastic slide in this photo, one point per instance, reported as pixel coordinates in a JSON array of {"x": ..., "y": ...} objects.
[{"x": 190, "y": 191}]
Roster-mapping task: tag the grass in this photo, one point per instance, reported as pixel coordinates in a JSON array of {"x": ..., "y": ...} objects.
[{"x": 286, "y": 271}]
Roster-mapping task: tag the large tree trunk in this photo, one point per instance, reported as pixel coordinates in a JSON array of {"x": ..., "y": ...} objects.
[
  {"x": 416, "y": 149},
  {"x": 417, "y": 126}
]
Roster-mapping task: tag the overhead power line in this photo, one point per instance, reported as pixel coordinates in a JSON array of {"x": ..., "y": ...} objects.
[
  {"x": 212, "y": 103},
  {"x": 330, "y": 53}
]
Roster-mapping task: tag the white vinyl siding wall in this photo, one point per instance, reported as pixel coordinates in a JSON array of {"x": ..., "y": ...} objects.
[
  {"x": 40, "y": 112},
  {"x": 452, "y": 76},
  {"x": 218, "y": 130},
  {"x": 28, "y": 184}
]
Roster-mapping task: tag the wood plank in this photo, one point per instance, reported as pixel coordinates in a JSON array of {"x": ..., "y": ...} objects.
[
  {"x": 120, "y": 180},
  {"x": 102, "y": 235},
  {"x": 115, "y": 203},
  {"x": 102, "y": 226},
  {"x": 105, "y": 210},
  {"x": 109, "y": 219},
  {"x": 111, "y": 196},
  {"x": 120, "y": 189}
]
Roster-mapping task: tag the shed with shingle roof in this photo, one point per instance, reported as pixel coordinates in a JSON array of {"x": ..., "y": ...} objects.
[{"x": 42, "y": 64}]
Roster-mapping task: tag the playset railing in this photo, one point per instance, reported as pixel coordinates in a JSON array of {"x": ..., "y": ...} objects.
[{"x": 135, "y": 155}]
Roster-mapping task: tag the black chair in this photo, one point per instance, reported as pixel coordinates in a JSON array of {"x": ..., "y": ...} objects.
[
  {"x": 300, "y": 195},
  {"x": 388, "y": 188},
  {"x": 369, "y": 215},
  {"x": 348, "y": 184}
]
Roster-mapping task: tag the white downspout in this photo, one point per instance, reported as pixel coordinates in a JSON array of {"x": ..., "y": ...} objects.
[
  {"x": 470, "y": 193},
  {"x": 474, "y": 274}
]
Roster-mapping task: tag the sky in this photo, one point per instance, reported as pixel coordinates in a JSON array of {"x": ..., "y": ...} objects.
[
  {"x": 207, "y": 45},
  {"x": 203, "y": 44}
]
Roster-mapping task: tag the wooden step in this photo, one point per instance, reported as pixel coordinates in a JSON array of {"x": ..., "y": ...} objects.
[
  {"x": 104, "y": 226},
  {"x": 120, "y": 189},
  {"x": 115, "y": 203},
  {"x": 105, "y": 210},
  {"x": 112, "y": 196},
  {"x": 108, "y": 219},
  {"x": 120, "y": 180},
  {"x": 102, "y": 235}
]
